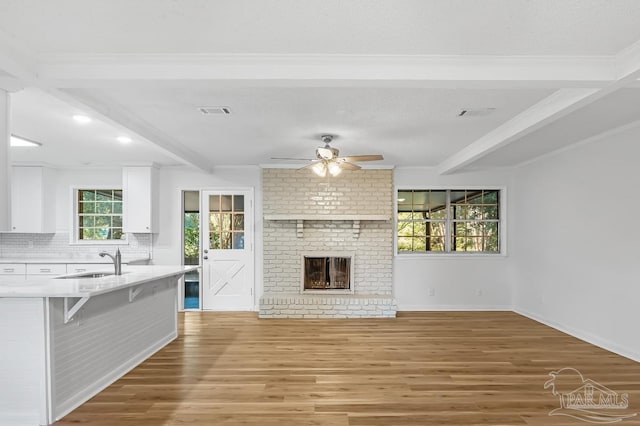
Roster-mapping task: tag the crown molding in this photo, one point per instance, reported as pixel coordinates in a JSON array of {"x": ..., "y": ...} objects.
[{"x": 301, "y": 165}]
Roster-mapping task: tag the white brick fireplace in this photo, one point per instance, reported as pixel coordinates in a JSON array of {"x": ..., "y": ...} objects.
[{"x": 307, "y": 215}]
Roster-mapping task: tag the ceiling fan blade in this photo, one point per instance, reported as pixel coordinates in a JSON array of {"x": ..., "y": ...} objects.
[
  {"x": 308, "y": 166},
  {"x": 354, "y": 158},
  {"x": 348, "y": 166},
  {"x": 293, "y": 159}
]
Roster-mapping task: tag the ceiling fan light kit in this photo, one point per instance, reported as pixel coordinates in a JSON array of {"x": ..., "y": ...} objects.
[
  {"x": 334, "y": 168},
  {"x": 327, "y": 159},
  {"x": 320, "y": 169}
]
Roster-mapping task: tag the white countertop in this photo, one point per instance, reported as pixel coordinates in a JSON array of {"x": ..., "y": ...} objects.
[{"x": 89, "y": 287}]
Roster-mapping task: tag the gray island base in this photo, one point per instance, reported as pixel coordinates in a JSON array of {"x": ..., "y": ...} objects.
[{"x": 65, "y": 340}]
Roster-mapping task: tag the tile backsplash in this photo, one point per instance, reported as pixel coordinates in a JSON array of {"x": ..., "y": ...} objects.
[{"x": 56, "y": 246}]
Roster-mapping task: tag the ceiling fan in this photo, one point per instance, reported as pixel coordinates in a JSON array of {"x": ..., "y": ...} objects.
[{"x": 328, "y": 159}]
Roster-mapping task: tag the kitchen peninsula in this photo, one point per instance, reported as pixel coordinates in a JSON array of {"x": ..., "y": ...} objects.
[{"x": 66, "y": 339}]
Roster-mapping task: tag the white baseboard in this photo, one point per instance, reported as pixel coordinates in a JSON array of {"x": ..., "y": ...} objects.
[
  {"x": 583, "y": 335},
  {"x": 578, "y": 334},
  {"x": 454, "y": 308}
]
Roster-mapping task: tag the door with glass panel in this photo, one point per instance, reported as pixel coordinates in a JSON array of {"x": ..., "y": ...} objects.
[{"x": 227, "y": 250}]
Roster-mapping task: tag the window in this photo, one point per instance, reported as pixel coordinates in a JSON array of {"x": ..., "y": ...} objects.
[
  {"x": 449, "y": 221},
  {"x": 99, "y": 215},
  {"x": 226, "y": 222}
]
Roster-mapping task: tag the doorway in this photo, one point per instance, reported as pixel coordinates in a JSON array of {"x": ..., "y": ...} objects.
[
  {"x": 226, "y": 225},
  {"x": 191, "y": 248}
]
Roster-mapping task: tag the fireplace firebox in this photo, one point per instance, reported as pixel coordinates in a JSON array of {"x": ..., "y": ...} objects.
[{"x": 327, "y": 274}]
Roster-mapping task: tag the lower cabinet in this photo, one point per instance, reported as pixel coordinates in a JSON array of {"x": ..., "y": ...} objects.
[
  {"x": 13, "y": 269},
  {"x": 31, "y": 271}
]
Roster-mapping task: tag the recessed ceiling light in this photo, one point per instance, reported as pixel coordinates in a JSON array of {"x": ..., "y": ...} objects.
[
  {"x": 214, "y": 110},
  {"x": 82, "y": 119},
  {"x": 22, "y": 142},
  {"x": 123, "y": 139}
]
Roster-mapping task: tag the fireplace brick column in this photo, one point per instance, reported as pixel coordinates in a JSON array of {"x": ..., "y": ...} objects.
[{"x": 365, "y": 193}]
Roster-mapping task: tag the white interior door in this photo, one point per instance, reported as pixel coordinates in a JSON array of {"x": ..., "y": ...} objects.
[{"x": 227, "y": 250}]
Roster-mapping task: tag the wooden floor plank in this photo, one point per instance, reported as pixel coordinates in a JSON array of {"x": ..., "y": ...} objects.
[{"x": 429, "y": 368}]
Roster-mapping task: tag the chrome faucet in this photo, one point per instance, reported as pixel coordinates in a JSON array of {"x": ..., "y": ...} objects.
[{"x": 117, "y": 260}]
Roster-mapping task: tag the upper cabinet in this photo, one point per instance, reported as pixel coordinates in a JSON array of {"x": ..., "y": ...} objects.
[
  {"x": 33, "y": 200},
  {"x": 139, "y": 187}
]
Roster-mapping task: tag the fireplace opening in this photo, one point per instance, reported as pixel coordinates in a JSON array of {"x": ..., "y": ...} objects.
[{"x": 327, "y": 273}]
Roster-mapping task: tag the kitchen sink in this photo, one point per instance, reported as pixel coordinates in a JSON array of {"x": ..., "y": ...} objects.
[{"x": 87, "y": 275}]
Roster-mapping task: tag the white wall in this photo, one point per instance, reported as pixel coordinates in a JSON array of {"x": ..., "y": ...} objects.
[
  {"x": 173, "y": 180},
  {"x": 467, "y": 282},
  {"x": 69, "y": 178},
  {"x": 577, "y": 242}
]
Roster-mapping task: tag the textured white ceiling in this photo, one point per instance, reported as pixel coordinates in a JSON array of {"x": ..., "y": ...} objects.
[
  {"x": 442, "y": 27},
  {"x": 408, "y": 126},
  {"x": 45, "y": 119},
  {"x": 387, "y": 77},
  {"x": 614, "y": 111}
]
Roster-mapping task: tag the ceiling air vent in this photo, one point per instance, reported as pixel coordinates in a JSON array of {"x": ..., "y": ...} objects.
[
  {"x": 475, "y": 112},
  {"x": 214, "y": 110}
]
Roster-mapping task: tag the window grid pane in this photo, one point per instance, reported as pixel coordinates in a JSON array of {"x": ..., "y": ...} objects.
[
  {"x": 99, "y": 214},
  {"x": 467, "y": 220},
  {"x": 226, "y": 222}
]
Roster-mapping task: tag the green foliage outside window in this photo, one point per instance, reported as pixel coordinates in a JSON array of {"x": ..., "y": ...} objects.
[
  {"x": 448, "y": 221},
  {"x": 100, "y": 214},
  {"x": 192, "y": 238}
]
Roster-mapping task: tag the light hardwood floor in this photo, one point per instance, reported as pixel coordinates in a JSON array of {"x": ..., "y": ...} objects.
[{"x": 436, "y": 368}]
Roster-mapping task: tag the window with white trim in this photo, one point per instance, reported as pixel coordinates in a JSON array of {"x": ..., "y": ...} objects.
[
  {"x": 98, "y": 215},
  {"x": 448, "y": 221}
]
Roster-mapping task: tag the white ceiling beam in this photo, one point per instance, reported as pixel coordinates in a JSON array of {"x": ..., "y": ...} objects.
[
  {"x": 556, "y": 106},
  {"x": 116, "y": 115},
  {"x": 628, "y": 63},
  {"x": 23, "y": 70},
  {"x": 77, "y": 70}
]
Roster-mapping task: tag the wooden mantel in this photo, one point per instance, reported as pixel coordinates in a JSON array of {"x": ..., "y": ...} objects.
[{"x": 301, "y": 218}]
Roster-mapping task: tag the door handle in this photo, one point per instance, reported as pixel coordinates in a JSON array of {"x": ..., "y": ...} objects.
[{"x": 206, "y": 257}]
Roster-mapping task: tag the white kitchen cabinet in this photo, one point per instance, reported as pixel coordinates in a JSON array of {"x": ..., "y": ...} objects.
[
  {"x": 13, "y": 269},
  {"x": 139, "y": 187},
  {"x": 32, "y": 200}
]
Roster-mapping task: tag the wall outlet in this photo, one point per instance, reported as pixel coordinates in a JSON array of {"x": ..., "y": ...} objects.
[
  {"x": 432, "y": 292},
  {"x": 478, "y": 292}
]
